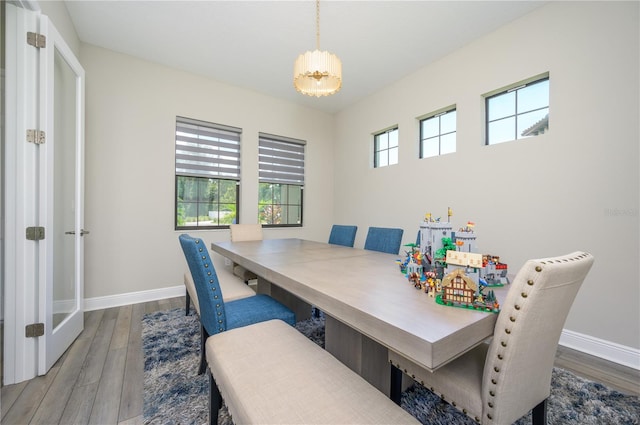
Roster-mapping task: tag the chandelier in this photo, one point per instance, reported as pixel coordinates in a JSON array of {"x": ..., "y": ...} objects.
[{"x": 317, "y": 73}]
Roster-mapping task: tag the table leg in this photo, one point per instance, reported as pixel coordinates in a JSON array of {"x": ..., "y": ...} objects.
[
  {"x": 396, "y": 385},
  {"x": 300, "y": 308},
  {"x": 360, "y": 353}
]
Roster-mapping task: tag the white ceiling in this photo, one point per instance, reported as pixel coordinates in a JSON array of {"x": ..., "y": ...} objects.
[{"x": 253, "y": 44}]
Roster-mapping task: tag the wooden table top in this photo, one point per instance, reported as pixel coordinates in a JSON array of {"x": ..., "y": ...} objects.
[{"x": 366, "y": 291}]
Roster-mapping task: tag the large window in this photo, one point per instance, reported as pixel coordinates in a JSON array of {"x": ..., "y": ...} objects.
[
  {"x": 518, "y": 112},
  {"x": 385, "y": 148},
  {"x": 281, "y": 186},
  {"x": 207, "y": 174},
  {"x": 438, "y": 134}
]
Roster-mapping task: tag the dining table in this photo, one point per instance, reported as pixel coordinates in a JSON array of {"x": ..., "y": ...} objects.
[{"x": 370, "y": 307}]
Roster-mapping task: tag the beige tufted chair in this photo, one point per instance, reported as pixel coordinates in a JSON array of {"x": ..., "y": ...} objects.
[
  {"x": 245, "y": 232},
  {"x": 501, "y": 381}
]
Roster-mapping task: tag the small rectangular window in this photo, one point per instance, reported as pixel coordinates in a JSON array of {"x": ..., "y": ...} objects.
[
  {"x": 207, "y": 174},
  {"x": 281, "y": 181},
  {"x": 385, "y": 148},
  {"x": 518, "y": 112},
  {"x": 438, "y": 134}
]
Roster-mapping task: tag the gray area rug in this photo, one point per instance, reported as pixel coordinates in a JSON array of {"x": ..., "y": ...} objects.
[{"x": 174, "y": 394}]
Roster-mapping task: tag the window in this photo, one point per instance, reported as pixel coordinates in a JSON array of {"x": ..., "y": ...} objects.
[
  {"x": 438, "y": 134},
  {"x": 518, "y": 112},
  {"x": 281, "y": 181},
  {"x": 385, "y": 148},
  {"x": 207, "y": 174}
]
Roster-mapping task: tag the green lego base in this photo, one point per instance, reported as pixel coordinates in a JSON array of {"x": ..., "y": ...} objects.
[{"x": 466, "y": 307}]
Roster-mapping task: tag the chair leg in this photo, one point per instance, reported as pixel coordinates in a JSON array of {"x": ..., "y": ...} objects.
[
  {"x": 539, "y": 413},
  {"x": 203, "y": 356},
  {"x": 215, "y": 401},
  {"x": 395, "y": 392},
  {"x": 187, "y": 305}
]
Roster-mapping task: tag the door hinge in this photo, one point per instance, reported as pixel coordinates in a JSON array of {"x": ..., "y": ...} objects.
[
  {"x": 36, "y": 40},
  {"x": 35, "y": 233},
  {"x": 36, "y": 136},
  {"x": 34, "y": 330}
]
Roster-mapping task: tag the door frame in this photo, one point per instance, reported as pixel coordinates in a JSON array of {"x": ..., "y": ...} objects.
[
  {"x": 21, "y": 272},
  {"x": 20, "y": 255}
]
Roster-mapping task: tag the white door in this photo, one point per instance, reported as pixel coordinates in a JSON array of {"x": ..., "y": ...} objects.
[{"x": 61, "y": 197}]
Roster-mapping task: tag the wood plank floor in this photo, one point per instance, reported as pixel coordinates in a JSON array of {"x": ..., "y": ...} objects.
[{"x": 99, "y": 379}]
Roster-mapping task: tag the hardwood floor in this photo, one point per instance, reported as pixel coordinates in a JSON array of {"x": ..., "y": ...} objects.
[{"x": 99, "y": 380}]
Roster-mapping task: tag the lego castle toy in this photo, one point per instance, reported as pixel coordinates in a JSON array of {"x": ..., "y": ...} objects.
[{"x": 446, "y": 265}]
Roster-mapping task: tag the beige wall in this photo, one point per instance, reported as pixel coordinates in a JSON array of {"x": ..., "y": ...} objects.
[
  {"x": 575, "y": 188},
  {"x": 130, "y": 125}
]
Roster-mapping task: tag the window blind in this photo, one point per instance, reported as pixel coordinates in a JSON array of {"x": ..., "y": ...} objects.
[
  {"x": 207, "y": 150},
  {"x": 280, "y": 159}
]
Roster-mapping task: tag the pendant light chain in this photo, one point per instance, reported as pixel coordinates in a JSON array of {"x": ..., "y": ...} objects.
[{"x": 317, "y": 24}]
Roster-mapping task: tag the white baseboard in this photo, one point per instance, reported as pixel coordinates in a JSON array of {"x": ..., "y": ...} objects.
[
  {"x": 608, "y": 350},
  {"x": 109, "y": 301},
  {"x": 617, "y": 353}
]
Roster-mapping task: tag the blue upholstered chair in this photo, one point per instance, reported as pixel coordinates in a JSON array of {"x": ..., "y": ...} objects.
[
  {"x": 384, "y": 239},
  {"x": 343, "y": 235},
  {"x": 215, "y": 314}
]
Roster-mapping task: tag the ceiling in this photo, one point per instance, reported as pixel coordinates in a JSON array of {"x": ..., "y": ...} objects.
[{"x": 253, "y": 44}]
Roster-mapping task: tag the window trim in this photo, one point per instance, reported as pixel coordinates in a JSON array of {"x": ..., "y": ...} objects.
[
  {"x": 233, "y": 173},
  {"x": 375, "y": 145},
  {"x": 504, "y": 90},
  {"x": 265, "y": 174},
  {"x": 438, "y": 113}
]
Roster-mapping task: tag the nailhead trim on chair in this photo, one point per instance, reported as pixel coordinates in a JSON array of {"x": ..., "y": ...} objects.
[
  {"x": 206, "y": 265},
  {"x": 503, "y": 344}
]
